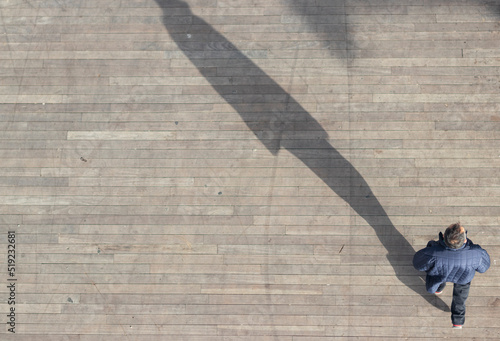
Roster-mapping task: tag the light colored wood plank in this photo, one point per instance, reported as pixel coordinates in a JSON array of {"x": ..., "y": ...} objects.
[{"x": 146, "y": 208}]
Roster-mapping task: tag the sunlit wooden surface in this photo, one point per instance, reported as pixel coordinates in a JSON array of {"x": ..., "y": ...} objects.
[{"x": 145, "y": 208}]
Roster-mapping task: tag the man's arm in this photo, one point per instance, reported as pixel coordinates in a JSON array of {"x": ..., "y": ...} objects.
[
  {"x": 485, "y": 262},
  {"x": 423, "y": 261}
]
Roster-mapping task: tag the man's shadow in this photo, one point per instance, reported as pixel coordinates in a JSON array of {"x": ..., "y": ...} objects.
[{"x": 278, "y": 121}]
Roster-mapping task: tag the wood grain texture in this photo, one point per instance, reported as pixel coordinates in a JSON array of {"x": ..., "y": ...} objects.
[{"x": 138, "y": 168}]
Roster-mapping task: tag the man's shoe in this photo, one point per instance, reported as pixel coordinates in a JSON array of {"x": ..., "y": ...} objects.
[
  {"x": 457, "y": 326},
  {"x": 440, "y": 289}
]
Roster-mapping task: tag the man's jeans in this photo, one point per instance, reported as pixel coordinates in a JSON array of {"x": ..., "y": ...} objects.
[{"x": 460, "y": 294}]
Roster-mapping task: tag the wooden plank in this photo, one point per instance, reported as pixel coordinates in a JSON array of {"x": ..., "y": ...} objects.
[{"x": 147, "y": 204}]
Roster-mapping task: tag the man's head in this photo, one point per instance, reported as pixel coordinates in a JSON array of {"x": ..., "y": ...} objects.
[{"x": 455, "y": 236}]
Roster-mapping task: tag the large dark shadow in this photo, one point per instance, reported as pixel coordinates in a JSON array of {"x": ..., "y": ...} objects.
[{"x": 281, "y": 123}]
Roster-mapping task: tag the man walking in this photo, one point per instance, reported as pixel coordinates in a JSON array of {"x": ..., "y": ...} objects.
[{"x": 453, "y": 258}]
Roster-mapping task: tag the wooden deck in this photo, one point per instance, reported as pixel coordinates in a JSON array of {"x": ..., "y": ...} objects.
[{"x": 245, "y": 170}]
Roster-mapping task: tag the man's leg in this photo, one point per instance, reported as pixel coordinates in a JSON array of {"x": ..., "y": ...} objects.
[
  {"x": 440, "y": 288},
  {"x": 460, "y": 294}
]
